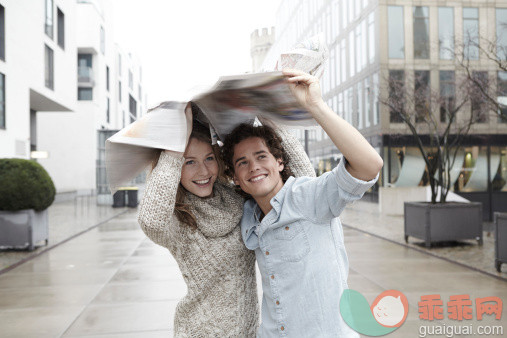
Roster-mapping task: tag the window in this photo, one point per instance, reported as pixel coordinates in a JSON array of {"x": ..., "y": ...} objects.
[
  {"x": 376, "y": 117},
  {"x": 85, "y": 94},
  {"x": 446, "y": 32},
  {"x": 421, "y": 33},
  {"x": 2, "y": 33},
  {"x": 119, "y": 64},
  {"x": 140, "y": 92},
  {"x": 61, "y": 28},
  {"x": 359, "y": 98},
  {"x": 49, "y": 68},
  {"x": 371, "y": 37},
  {"x": 359, "y": 45},
  {"x": 107, "y": 78},
  {"x": 396, "y": 95},
  {"x": 344, "y": 60},
  {"x": 502, "y": 96},
  {"x": 477, "y": 99},
  {"x": 132, "y": 109},
  {"x": 396, "y": 35},
  {"x": 2, "y": 101},
  {"x": 367, "y": 101},
  {"x": 344, "y": 14},
  {"x": 84, "y": 68},
  {"x": 119, "y": 91},
  {"x": 471, "y": 33},
  {"x": 108, "y": 117},
  {"x": 447, "y": 94},
  {"x": 48, "y": 24},
  {"x": 501, "y": 33},
  {"x": 131, "y": 80},
  {"x": 422, "y": 95},
  {"x": 352, "y": 56},
  {"x": 102, "y": 40}
]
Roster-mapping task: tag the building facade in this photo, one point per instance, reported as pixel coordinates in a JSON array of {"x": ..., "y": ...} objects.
[
  {"x": 371, "y": 41},
  {"x": 83, "y": 88}
]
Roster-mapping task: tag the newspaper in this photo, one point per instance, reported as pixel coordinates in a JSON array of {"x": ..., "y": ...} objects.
[{"x": 232, "y": 101}]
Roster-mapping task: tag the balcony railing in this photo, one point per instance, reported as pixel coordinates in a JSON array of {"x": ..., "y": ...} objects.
[{"x": 85, "y": 75}]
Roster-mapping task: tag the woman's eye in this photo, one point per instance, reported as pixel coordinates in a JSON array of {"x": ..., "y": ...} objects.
[
  {"x": 211, "y": 158},
  {"x": 189, "y": 162}
]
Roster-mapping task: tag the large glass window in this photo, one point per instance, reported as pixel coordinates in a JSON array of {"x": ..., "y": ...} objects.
[
  {"x": 501, "y": 33},
  {"x": 49, "y": 68},
  {"x": 344, "y": 60},
  {"x": 422, "y": 95},
  {"x": 360, "y": 111},
  {"x": 376, "y": 107},
  {"x": 107, "y": 78},
  {"x": 132, "y": 109},
  {"x": 471, "y": 33},
  {"x": 61, "y": 28},
  {"x": 446, "y": 32},
  {"x": 84, "y": 68},
  {"x": 108, "y": 110},
  {"x": 2, "y": 33},
  {"x": 396, "y": 93},
  {"x": 352, "y": 55},
  {"x": 359, "y": 48},
  {"x": 502, "y": 96},
  {"x": 119, "y": 91},
  {"x": 85, "y": 94},
  {"x": 2, "y": 101},
  {"x": 48, "y": 23},
  {"x": 119, "y": 64},
  {"x": 396, "y": 35},
  {"x": 131, "y": 80},
  {"x": 421, "y": 33},
  {"x": 447, "y": 94},
  {"x": 371, "y": 37},
  {"x": 367, "y": 101},
  {"x": 477, "y": 100},
  {"x": 345, "y": 20}
]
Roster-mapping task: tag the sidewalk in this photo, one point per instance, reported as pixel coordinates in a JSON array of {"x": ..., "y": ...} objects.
[
  {"x": 365, "y": 217},
  {"x": 111, "y": 281}
]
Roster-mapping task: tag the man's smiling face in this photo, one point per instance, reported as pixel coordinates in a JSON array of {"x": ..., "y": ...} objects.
[{"x": 256, "y": 170}]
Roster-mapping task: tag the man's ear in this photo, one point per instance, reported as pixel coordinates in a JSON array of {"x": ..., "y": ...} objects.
[{"x": 280, "y": 164}]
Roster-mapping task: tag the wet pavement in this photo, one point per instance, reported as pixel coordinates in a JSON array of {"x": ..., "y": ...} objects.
[{"x": 111, "y": 281}]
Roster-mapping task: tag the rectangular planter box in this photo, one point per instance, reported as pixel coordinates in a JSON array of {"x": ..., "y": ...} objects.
[
  {"x": 23, "y": 229},
  {"x": 500, "y": 240},
  {"x": 442, "y": 222}
]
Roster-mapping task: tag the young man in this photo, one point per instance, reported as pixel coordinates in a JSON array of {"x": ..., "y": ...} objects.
[{"x": 292, "y": 223}]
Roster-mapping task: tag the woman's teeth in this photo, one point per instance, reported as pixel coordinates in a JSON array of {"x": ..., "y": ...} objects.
[{"x": 202, "y": 181}]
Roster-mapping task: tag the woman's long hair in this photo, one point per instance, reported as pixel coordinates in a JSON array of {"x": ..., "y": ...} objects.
[{"x": 181, "y": 209}]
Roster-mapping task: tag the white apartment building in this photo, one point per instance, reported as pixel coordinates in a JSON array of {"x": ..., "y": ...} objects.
[{"x": 98, "y": 84}]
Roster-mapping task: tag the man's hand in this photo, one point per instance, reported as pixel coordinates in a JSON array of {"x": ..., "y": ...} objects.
[{"x": 305, "y": 87}]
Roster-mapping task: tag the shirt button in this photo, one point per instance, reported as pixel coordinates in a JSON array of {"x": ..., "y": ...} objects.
[
  {"x": 272, "y": 276},
  {"x": 277, "y": 303},
  {"x": 282, "y": 328},
  {"x": 286, "y": 228},
  {"x": 267, "y": 253}
]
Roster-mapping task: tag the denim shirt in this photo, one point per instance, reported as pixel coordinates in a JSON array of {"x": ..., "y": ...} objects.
[{"x": 301, "y": 255}]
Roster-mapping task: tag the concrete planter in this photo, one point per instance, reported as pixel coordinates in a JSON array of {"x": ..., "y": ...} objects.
[
  {"x": 500, "y": 240},
  {"x": 23, "y": 229},
  {"x": 441, "y": 222}
]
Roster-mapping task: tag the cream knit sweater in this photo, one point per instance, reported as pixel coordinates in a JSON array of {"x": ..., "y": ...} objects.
[{"x": 218, "y": 269}]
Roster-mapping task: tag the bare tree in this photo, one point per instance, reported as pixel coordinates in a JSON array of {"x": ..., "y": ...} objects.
[{"x": 439, "y": 115}]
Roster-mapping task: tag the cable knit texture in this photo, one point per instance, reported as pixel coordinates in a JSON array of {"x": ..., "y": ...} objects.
[{"x": 219, "y": 271}]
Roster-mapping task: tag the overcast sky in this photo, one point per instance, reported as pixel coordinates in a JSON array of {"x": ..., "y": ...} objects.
[{"x": 184, "y": 44}]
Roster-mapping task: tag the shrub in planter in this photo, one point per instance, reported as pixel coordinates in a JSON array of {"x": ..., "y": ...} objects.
[{"x": 26, "y": 191}]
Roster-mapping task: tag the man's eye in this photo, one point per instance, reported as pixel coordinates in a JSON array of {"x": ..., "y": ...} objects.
[
  {"x": 241, "y": 163},
  {"x": 262, "y": 156}
]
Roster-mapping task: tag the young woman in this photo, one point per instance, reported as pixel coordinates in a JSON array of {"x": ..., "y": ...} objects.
[{"x": 189, "y": 208}]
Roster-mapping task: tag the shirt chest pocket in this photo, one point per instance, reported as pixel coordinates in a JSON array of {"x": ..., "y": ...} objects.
[{"x": 292, "y": 241}]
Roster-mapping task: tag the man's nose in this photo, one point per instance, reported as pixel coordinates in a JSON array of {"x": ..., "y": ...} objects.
[{"x": 253, "y": 165}]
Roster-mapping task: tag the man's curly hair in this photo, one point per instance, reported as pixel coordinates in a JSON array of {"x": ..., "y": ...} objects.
[{"x": 267, "y": 134}]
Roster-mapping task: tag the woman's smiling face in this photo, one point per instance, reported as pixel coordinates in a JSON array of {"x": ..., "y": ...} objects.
[{"x": 200, "y": 169}]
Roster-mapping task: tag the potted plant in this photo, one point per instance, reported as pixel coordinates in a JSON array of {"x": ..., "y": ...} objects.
[
  {"x": 438, "y": 121},
  {"x": 26, "y": 191}
]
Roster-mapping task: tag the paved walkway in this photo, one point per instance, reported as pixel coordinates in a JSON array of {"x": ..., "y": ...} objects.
[{"x": 113, "y": 282}]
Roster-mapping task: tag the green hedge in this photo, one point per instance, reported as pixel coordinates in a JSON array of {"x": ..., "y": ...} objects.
[{"x": 24, "y": 184}]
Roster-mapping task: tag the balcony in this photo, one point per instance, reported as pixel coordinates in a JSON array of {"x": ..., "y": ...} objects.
[{"x": 85, "y": 76}]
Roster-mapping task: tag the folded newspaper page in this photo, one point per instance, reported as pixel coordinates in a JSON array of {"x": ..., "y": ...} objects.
[{"x": 233, "y": 100}]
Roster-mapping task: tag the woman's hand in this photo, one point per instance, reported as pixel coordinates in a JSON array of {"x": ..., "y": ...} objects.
[{"x": 305, "y": 87}]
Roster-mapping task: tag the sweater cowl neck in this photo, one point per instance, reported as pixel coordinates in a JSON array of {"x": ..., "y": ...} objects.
[{"x": 217, "y": 216}]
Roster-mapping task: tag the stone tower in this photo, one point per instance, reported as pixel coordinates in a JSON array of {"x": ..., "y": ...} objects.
[{"x": 259, "y": 46}]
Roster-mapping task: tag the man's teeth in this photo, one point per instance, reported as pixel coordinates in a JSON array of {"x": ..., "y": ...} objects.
[
  {"x": 258, "y": 178},
  {"x": 202, "y": 182}
]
